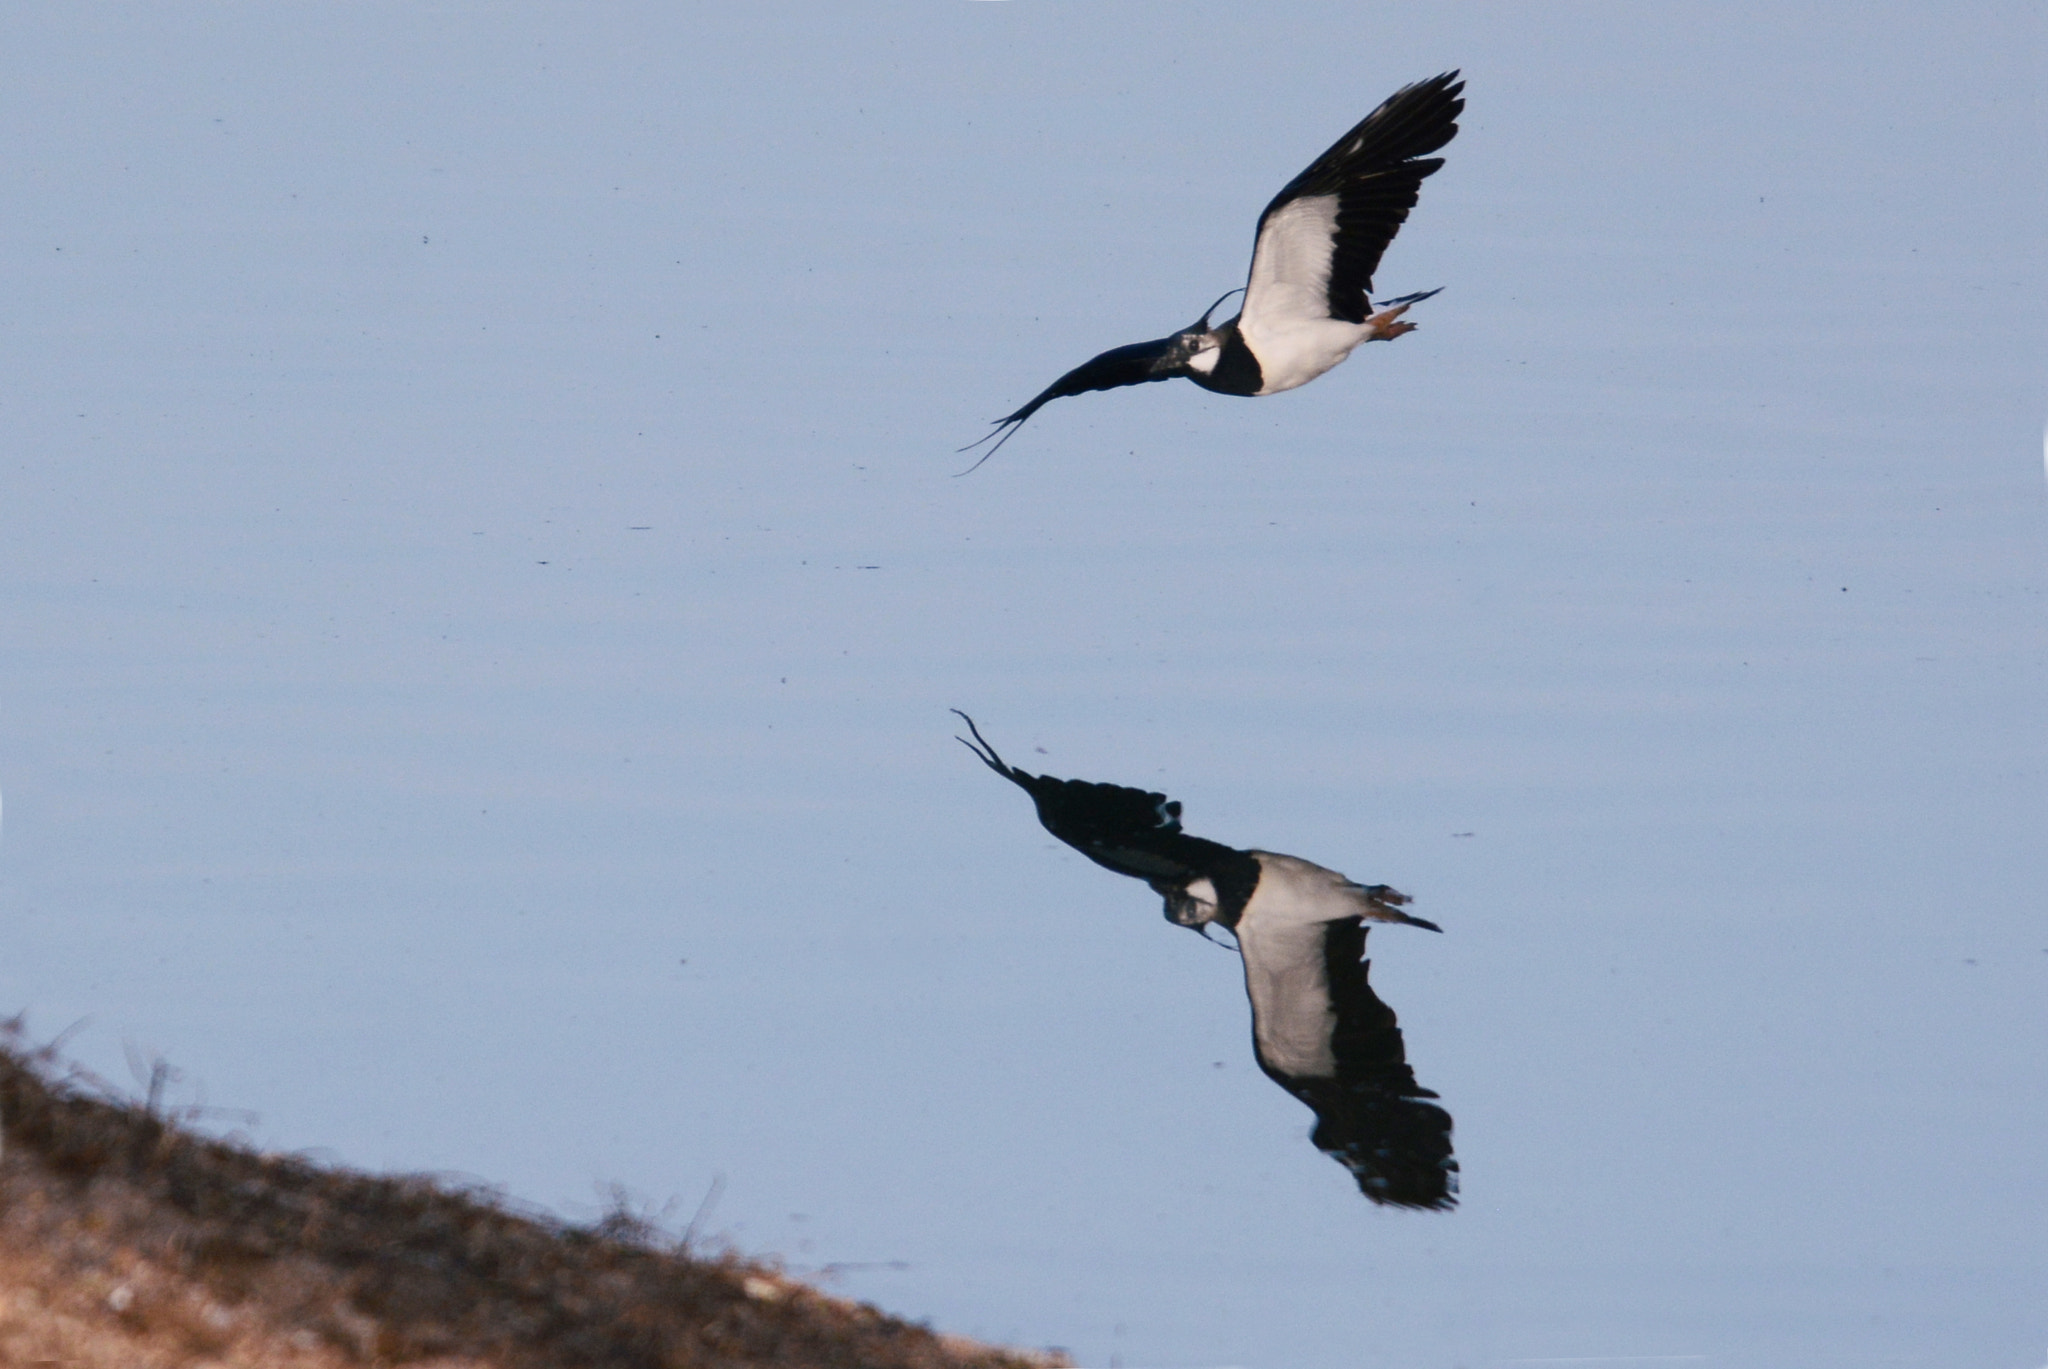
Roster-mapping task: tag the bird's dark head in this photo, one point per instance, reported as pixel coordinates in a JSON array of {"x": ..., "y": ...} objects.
[
  {"x": 1199, "y": 346},
  {"x": 1192, "y": 904},
  {"x": 1218, "y": 895},
  {"x": 1195, "y": 350}
]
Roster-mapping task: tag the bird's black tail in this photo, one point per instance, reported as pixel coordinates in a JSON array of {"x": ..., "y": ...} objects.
[{"x": 1416, "y": 298}]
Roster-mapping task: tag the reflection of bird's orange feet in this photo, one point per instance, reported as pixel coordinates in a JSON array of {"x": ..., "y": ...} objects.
[{"x": 1385, "y": 325}]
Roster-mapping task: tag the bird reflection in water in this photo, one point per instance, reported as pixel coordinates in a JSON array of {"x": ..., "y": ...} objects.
[{"x": 1318, "y": 1029}]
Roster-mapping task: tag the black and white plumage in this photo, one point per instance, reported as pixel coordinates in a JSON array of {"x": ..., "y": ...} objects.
[
  {"x": 1307, "y": 301},
  {"x": 1318, "y": 1029}
]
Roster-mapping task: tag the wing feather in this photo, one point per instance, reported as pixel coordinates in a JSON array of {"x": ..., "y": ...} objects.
[
  {"x": 1133, "y": 364},
  {"x": 1132, "y": 831},
  {"x": 1321, "y": 1033},
  {"x": 1358, "y": 195}
]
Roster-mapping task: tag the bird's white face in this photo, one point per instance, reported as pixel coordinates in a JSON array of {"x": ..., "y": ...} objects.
[{"x": 1203, "y": 360}]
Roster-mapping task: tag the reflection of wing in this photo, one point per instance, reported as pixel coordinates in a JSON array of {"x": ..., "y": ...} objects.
[
  {"x": 1322, "y": 1034},
  {"x": 1126, "y": 830},
  {"x": 1322, "y": 237}
]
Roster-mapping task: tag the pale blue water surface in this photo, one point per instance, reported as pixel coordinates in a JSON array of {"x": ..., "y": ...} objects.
[{"x": 481, "y": 587}]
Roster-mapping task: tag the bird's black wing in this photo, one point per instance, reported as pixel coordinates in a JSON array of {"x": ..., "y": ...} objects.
[
  {"x": 1127, "y": 830},
  {"x": 1358, "y": 195},
  {"x": 1119, "y": 366},
  {"x": 1372, "y": 1116}
]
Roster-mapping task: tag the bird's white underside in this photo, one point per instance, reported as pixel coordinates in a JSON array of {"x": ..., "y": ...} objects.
[
  {"x": 1286, "y": 318},
  {"x": 1281, "y": 936}
]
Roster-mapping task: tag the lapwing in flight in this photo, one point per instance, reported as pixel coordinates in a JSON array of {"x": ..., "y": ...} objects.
[
  {"x": 1307, "y": 302},
  {"x": 1318, "y": 1029}
]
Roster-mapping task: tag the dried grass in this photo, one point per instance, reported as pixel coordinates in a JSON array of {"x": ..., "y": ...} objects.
[{"x": 128, "y": 1239}]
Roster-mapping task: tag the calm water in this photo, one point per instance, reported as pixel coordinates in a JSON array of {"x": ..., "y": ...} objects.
[{"x": 483, "y": 592}]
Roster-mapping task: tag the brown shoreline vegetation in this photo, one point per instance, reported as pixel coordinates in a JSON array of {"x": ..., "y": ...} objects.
[{"x": 128, "y": 1239}]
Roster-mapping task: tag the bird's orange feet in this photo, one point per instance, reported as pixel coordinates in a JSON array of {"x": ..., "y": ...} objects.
[{"x": 1386, "y": 326}]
